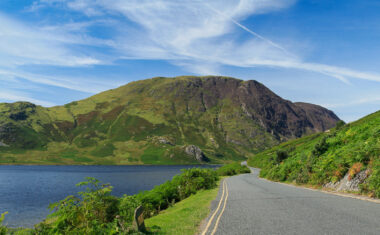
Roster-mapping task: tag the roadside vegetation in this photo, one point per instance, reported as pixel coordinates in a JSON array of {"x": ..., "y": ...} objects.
[
  {"x": 327, "y": 157},
  {"x": 233, "y": 169},
  {"x": 96, "y": 211},
  {"x": 183, "y": 217}
]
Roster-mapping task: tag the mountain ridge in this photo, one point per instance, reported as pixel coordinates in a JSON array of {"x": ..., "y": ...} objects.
[{"x": 226, "y": 118}]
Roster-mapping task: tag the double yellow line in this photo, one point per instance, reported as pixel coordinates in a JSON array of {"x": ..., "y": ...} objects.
[{"x": 223, "y": 198}]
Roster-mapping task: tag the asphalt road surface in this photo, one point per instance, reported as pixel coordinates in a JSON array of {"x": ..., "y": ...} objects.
[{"x": 247, "y": 204}]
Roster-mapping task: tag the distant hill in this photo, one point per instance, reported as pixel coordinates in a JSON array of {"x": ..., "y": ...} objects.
[
  {"x": 346, "y": 158},
  {"x": 158, "y": 121}
]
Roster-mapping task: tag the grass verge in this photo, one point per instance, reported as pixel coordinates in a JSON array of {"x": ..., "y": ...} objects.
[{"x": 185, "y": 216}]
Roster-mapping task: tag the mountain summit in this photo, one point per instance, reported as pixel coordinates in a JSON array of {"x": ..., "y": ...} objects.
[{"x": 158, "y": 121}]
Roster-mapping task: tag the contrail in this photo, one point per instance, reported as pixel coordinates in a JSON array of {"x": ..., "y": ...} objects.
[
  {"x": 340, "y": 77},
  {"x": 248, "y": 30}
]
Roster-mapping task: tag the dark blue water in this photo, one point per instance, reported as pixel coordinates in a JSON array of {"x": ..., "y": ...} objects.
[{"x": 27, "y": 191}]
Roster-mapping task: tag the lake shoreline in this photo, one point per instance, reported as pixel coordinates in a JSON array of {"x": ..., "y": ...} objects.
[{"x": 27, "y": 190}]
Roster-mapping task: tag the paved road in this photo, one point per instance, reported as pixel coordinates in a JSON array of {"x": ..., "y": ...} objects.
[{"x": 258, "y": 206}]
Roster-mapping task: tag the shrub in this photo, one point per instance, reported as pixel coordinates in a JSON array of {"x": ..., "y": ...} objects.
[
  {"x": 340, "y": 124},
  {"x": 91, "y": 212},
  {"x": 127, "y": 207},
  {"x": 303, "y": 175},
  {"x": 321, "y": 147},
  {"x": 179, "y": 188},
  {"x": 233, "y": 169},
  {"x": 373, "y": 186},
  {"x": 281, "y": 155},
  {"x": 3, "y": 229},
  {"x": 355, "y": 169}
]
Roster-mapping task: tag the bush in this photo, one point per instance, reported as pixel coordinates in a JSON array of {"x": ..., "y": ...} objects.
[
  {"x": 233, "y": 169},
  {"x": 340, "y": 124},
  {"x": 281, "y": 155},
  {"x": 179, "y": 188},
  {"x": 373, "y": 186},
  {"x": 321, "y": 147},
  {"x": 127, "y": 207},
  {"x": 302, "y": 176},
  {"x": 3, "y": 229},
  {"x": 93, "y": 211}
]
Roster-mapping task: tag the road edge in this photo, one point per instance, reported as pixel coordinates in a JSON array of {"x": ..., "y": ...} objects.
[{"x": 342, "y": 194}]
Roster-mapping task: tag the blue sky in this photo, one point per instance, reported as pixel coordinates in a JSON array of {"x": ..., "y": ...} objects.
[{"x": 320, "y": 51}]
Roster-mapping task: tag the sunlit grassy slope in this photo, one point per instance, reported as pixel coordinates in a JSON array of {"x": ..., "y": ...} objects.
[
  {"x": 327, "y": 157},
  {"x": 151, "y": 122}
]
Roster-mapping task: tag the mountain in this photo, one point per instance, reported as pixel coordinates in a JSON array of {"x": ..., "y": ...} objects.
[
  {"x": 158, "y": 121},
  {"x": 345, "y": 158}
]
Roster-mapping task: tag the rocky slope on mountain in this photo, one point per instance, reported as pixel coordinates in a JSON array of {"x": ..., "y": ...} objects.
[{"x": 155, "y": 121}]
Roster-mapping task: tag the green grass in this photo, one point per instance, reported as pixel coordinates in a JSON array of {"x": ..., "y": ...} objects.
[
  {"x": 327, "y": 157},
  {"x": 185, "y": 216},
  {"x": 134, "y": 112},
  {"x": 97, "y": 126}
]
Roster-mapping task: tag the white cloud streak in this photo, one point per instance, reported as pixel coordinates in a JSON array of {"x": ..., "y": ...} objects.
[
  {"x": 196, "y": 36},
  {"x": 361, "y": 101},
  {"x": 81, "y": 84},
  {"x": 14, "y": 96},
  {"x": 22, "y": 44},
  {"x": 192, "y": 33}
]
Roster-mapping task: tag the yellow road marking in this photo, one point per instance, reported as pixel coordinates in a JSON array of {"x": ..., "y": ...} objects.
[
  {"x": 216, "y": 211},
  {"x": 221, "y": 213}
]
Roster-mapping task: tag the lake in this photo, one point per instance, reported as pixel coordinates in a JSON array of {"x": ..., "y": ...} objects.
[{"x": 27, "y": 191}]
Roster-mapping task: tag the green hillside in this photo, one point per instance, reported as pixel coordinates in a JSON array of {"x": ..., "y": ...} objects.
[
  {"x": 327, "y": 157},
  {"x": 157, "y": 121}
]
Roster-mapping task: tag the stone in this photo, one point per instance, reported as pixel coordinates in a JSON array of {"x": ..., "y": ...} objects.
[
  {"x": 163, "y": 140},
  {"x": 195, "y": 152},
  {"x": 349, "y": 185},
  {"x": 138, "y": 219},
  {"x": 3, "y": 145}
]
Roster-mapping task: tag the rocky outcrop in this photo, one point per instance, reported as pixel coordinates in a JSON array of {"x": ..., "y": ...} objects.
[
  {"x": 3, "y": 145},
  {"x": 195, "y": 152},
  {"x": 347, "y": 184},
  {"x": 162, "y": 140}
]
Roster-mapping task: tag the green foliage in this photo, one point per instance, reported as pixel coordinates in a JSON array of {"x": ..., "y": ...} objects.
[
  {"x": 3, "y": 229},
  {"x": 96, "y": 211},
  {"x": 93, "y": 211},
  {"x": 321, "y": 147},
  {"x": 340, "y": 124},
  {"x": 179, "y": 188},
  {"x": 374, "y": 180},
  {"x": 127, "y": 207},
  {"x": 281, "y": 155},
  {"x": 233, "y": 169},
  {"x": 327, "y": 157}
]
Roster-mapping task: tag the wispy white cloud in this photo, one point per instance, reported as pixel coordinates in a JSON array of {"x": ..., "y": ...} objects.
[
  {"x": 360, "y": 101},
  {"x": 48, "y": 45},
  {"x": 82, "y": 84},
  {"x": 22, "y": 44},
  {"x": 201, "y": 36},
  {"x": 14, "y": 96}
]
